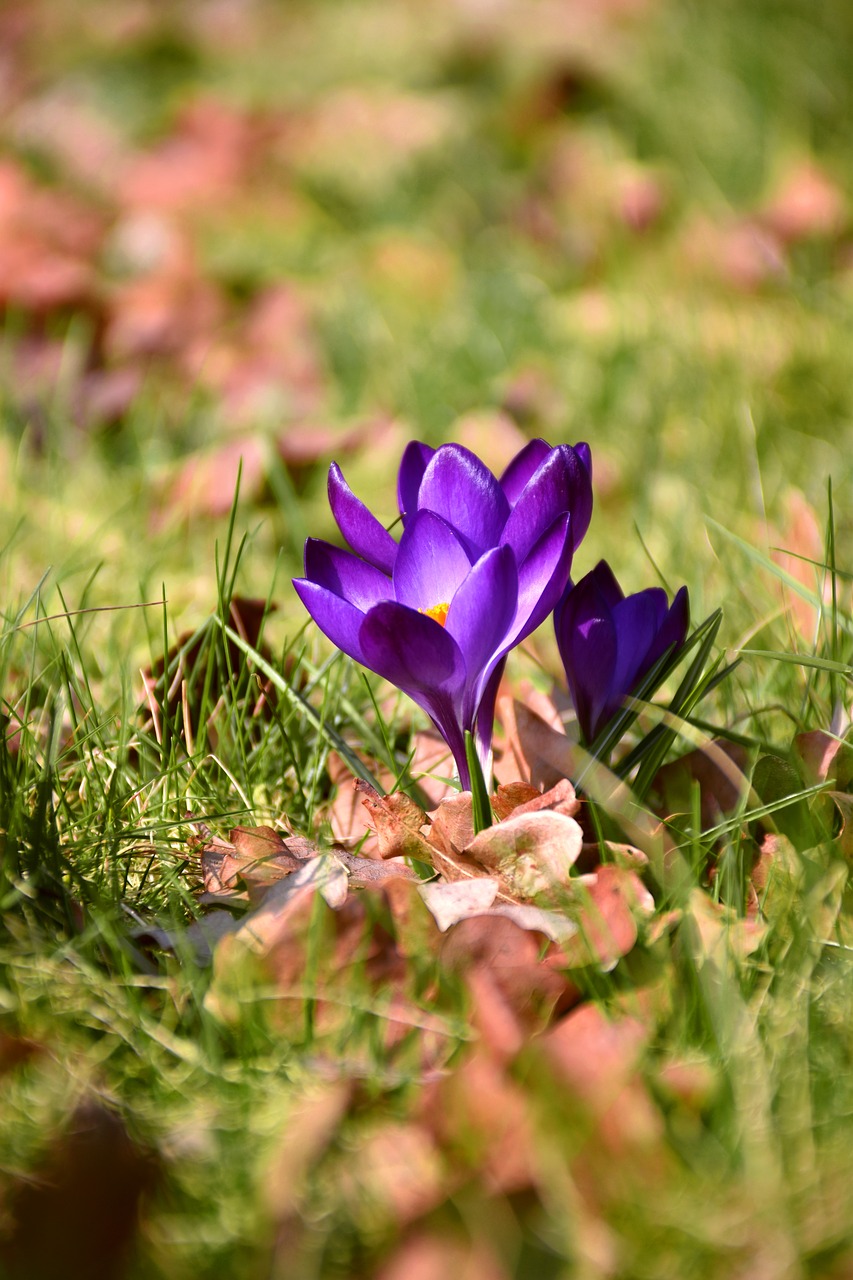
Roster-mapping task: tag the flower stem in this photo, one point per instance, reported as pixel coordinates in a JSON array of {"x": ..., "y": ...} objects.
[{"x": 481, "y": 808}]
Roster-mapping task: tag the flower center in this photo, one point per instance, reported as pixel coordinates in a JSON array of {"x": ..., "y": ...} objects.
[{"x": 438, "y": 612}]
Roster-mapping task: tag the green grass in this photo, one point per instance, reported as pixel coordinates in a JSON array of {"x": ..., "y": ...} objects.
[{"x": 288, "y": 1123}]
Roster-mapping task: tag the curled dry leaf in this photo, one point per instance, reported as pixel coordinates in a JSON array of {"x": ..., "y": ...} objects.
[
  {"x": 844, "y": 804},
  {"x": 511, "y": 796},
  {"x": 259, "y": 856},
  {"x": 606, "y": 906},
  {"x": 532, "y": 852},
  {"x": 397, "y": 821},
  {"x": 825, "y": 756},
  {"x": 466, "y": 899},
  {"x": 714, "y": 933},
  {"x": 718, "y": 767},
  {"x": 598, "y": 1058},
  {"x": 534, "y": 750}
]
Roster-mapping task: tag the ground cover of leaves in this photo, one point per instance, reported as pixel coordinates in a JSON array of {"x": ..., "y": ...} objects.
[{"x": 268, "y": 1005}]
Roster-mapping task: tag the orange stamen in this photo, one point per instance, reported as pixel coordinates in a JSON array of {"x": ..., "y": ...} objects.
[{"x": 438, "y": 612}]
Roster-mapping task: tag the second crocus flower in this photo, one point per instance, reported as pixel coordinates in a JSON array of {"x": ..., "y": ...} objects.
[{"x": 609, "y": 642}]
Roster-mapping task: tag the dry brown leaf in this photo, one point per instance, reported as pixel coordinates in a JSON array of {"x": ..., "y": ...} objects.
[
  {"x": 511, "y": 954},
  {"x": 561, "y": 798},
  {"x": 623, "y": 855},
  {"x": 844, "y": 804},
  {"x": 186, "y": 680},
  {"x": 373, "y": 871},
  {"x": 448, "y": 903},
  {"x": 714, "y": 932},
  {"x": 718, "y": 768},
  {"x": 205, "y": 159},
  {"x": 283, "y": 901},
  {"x": 532, "y": 853},
  {"x": 825, "y": 756},
  {"x": 607, "y": 905},
  {"x": 398, "y": 1169},
  {"x": 308, "y": 1130},
  {"x": 397, "y": 821},
  {"x": 534, "y": 750},
  {"x": 206, "y": 482},
  {"x": 510, "y": 796},
  {"x": 593, "y": 1054},
  {"x": 483, "y": 1115},
  {"x": 597, "y": 1058}
]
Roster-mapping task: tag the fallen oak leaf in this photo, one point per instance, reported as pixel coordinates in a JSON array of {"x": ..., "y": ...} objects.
[
  {"x": 459, "y": 900},
  {"x": 535, "y": 751},
  {"x": 469, "y": 899},
  {"x": 371, "y": 871},
  {"x": 532, "y": 853},
  {"x": 398, "y": 822},
  {"x": 325, "y": 874},
  {"x": 510, "y": 796},
  {"x": 561, "y": 798},
  {"x": 256, "y": 855},
  {"x": 824, "y": 756},
  {"x": 606, "y": 906}
]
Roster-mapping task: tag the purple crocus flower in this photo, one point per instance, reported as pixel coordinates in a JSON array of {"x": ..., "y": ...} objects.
[
  {"x": 480, "y": 564},
  {"x": 609, "y": 641}
]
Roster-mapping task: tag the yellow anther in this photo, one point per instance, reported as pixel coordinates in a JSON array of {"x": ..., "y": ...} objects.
[{"x": 438, "y": 612}]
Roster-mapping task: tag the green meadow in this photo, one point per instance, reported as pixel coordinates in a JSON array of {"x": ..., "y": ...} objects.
[{"x": 241, "y": 239}]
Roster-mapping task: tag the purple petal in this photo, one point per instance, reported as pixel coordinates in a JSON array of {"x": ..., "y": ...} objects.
[
  {"x": 542, "y": 578},
  {"x": 461, "y": 489},
  {"x": 364, "y": 533},
  {"x": 586, "y": 638},
  {"x": 560, "y": 483},
  {"x": 582, "y": 449},
  {"x": 413, "y": 464},
  {"x": 522, "y": 468},
  {"x": 339, "y": 620},
  {"x": 431, "y": 562},
  {"x": 481, "y": 613},
  {"x": 674, "y": 627},
  {"x": 637, "y": 619},
  {"x": 345, "y": 575},
  {"x": 485, "y": 721},
  {"x": 579, "y": 476},
  {"x": 411, "y": 650},
  {"x": 417, "y": 655},
  {"x": 605, "y": 581}
]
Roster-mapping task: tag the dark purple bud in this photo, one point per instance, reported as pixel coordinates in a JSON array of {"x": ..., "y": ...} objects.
[{"x": 609, "y": 642}]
